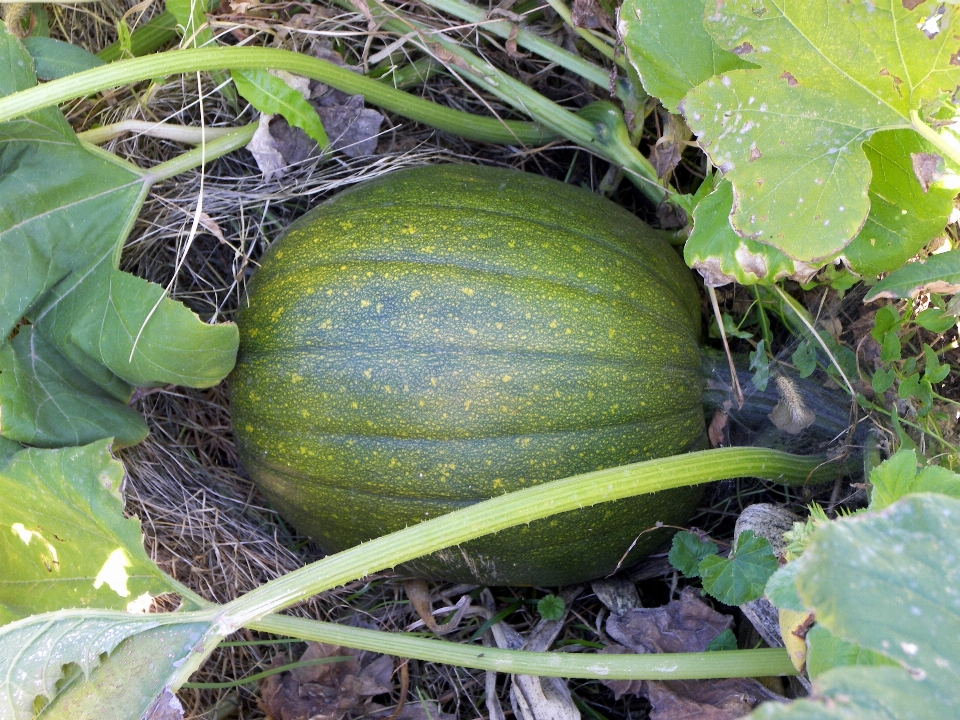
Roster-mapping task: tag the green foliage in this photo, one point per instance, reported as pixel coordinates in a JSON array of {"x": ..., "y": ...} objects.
[
  {"x": 671, "y": 50},
  {"x": 938, "y": 273},
  {"x": 86, "y": 333},
  {"x": 550, "y": 607},
  {"x": 70, "y": 544},
  {"x": 723, "y": 642},
  {"x": 741, "y": 577},
  {"x": 687, "y": 549},
  {"x": 54, "y": 58},
  {"x": 832, "y": 74},
  {"x": 760, "y": 364},
  {"x": 826, "y": 651},
  {"x": 269, "y": 94},
  {"x": 901, "y": 475},
  {"x": 882, "y": 583},
  {"x": 124, "y": 660}
]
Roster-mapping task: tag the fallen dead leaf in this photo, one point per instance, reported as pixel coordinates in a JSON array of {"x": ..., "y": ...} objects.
[
  {"x": 330, "y": 691},
  {"x": 684, "y": 625}
]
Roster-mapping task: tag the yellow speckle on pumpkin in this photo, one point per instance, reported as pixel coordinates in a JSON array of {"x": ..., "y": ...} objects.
[
  {"x": 467, "y": 291},
  {"x": 354, "y": 405},
  {"x": 415, "y": 294},
  {"x": 467, "y": 404},
  {"x": 497, "y": 483},
  {"x": 365, "y": 303},
  {"x": 368, "y": 373},
  {"x": 346, "y": 225},
  {"x": 326, "y": 324},
  {"x": 553, "y": 324},
  {"x": 507, "y": 378},
  {"x": 611, "y": 332}
]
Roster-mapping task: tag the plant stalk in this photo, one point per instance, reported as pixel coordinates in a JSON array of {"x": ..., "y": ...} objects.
[
  {"x": 666, "y": 666},
  {"x": 946, "y": 144},
  {"x": 523, "y": 507},
  {"x": 124, "y": 72}
]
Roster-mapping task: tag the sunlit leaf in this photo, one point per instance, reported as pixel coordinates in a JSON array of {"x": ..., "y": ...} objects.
[
  {"x": 741, "y": 577},
  {"x": 789, "y": 135},
  {"x": 900, "y": 475},
  {"x": 269, "y": 94},
  {"x": 144, "y": 651},
  {"x": 686, "y": 552},
  {"x": 64, "y": 541},
  {"x": 668, "y": 45}
]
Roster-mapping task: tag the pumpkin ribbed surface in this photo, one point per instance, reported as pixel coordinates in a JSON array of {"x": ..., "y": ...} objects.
[{"x": 445, "y": 334}]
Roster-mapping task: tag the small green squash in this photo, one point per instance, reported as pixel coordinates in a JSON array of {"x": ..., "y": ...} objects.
[{"x": 444, "y": 334}]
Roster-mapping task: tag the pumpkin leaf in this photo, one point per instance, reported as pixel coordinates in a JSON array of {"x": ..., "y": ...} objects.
[
  {"x": 724, "y": 641},
  {"x": 741, "y": 577},
  {"x": 903, "y": 217},
  {"x": 670, "y": 49},
  {"x": 788, "y": 136},
  {"x": 87, "y": 333},
  {"x": 885, "y": 582},
  {"x": 826, "y": 651},
  {"x": 55, "y": 661},
  {"x": 722, "y": 256},
  {"x": 687, "y": 549},
  {"x": 56, "y": 59},
  {"x": 271, "y": 95},
  {"x": 937, "y": 274},
  {"x": 66, "y": 542}
]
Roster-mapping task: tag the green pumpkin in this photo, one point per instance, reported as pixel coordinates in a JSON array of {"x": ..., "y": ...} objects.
[{"x": 445, "y": 334}]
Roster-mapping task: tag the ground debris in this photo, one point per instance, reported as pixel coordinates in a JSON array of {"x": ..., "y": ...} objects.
[
  {"x": 684, "y": 625},
  {"x": 331, "y": 691}
]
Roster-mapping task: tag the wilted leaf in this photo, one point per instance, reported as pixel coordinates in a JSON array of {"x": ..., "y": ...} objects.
[
  {"x": 937, "y": 274},
  {"x": 668, "y": 45},
  {"x": 92, "y": 332},
  {"x": 789, "y": 135},
  {"x": 339, "y": 686},
  {"x": 65, "y": 540},
  {"x": 743, "y": 576},
  {"x": 144, "y": 650}
]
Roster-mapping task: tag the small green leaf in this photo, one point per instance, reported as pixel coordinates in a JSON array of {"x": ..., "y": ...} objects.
[
  {"x": 56, "y": 59},
  {"x": 935, "y": 320},
  {"x": 269, "y": 94},
  {"x": 686, "y": 552},
  {"x": 910, "y": 387},
  {"x": 760, "y": 364},
  {"x": 67, "y": 542},
  {"x": 933, "y": 371},
  {"x": 938, "y": 273},
  {"x": 882, "y": 380},
  {"x": 724, "y": 641},
  {"x": 805, "y": 358},
  {"x": 550, "y": 607},
  {"x": 743, "y": 576},
  {"x": 825, "y": 651},
  {"x": 898, "y": 475},
  {"x": 886, "y": 319},
  {"x": 890, "y": 348},
  {"x": 670, "y": 49}
]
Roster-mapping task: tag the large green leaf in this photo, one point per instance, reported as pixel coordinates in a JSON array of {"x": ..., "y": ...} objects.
[
  {"x": 668, "y": 45},
  {"x": 58, "y": 657},
  {"x": 900, "y": 475},
  {"x": 92, "y": 333},
  {"x": 789, "y": 135},
  {"x": 64, "y": 540}
]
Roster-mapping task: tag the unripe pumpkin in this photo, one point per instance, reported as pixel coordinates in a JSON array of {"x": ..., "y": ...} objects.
[{"x": 445, "y": 334}]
